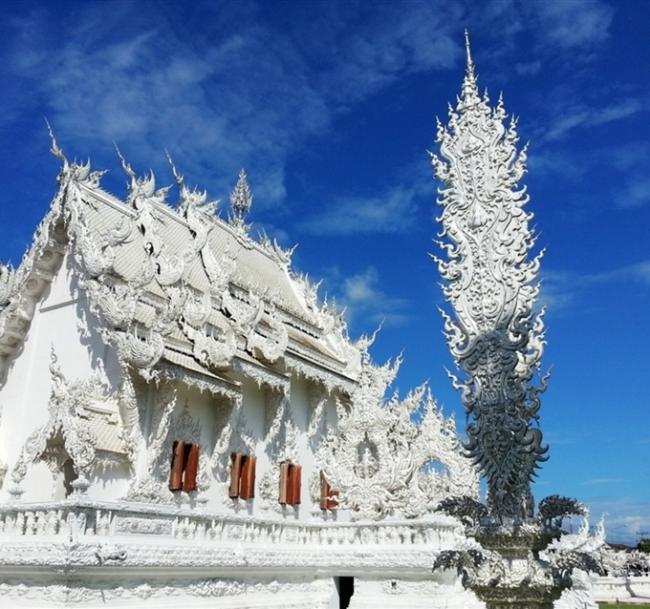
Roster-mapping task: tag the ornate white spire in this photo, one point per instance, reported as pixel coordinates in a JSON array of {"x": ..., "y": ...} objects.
[
  {"x": 469, "y": 91},
  {"x": 241, "y": 198},
  {"x": 495, "y": 337}
]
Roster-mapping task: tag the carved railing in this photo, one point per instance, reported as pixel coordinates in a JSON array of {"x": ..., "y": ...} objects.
[{"x": 77, "y": 519}]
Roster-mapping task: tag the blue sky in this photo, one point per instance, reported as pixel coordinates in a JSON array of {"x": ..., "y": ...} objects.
[{"x": 330, "y": 107}]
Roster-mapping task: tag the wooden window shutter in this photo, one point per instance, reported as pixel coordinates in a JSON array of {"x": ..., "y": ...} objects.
[
  {"x": 284, "y": 482},
  {"x": 176, "y": 473},
  {"x": 235, "y": 474},
  {"x": 295, "y": 474},
  {"x": 247, "y": 486},
  {"x": 324, "y": 491},
  {"x": 191, "y": 467},
  {"x": 332, "y": 503},
  {"x": 327, "y": 494}
]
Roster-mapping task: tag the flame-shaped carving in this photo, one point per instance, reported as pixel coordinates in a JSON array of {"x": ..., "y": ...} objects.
[
  {"x": 7, "y": 276},
  {"x": 496, "y": 339},
  {"x": 382, "y": 461}
]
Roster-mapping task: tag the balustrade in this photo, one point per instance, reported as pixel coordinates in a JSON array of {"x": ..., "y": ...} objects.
[{"x": 74, "y": 520}]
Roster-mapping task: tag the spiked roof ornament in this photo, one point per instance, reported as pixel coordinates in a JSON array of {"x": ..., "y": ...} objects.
[
  {"x": 495, "y": 336},
  {"x": 469, "y": 90},
  {"x": 241, "y": 198},
  {"x": 190, "y": 199}
]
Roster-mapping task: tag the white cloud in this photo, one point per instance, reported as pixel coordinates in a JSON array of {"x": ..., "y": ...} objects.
[
  {"x": 572, "y": 24},
  {"x": 562, "y": 289},
  {"x": 635, "y": 193},
  {"x": 220, "y": 97},
  {"x": 581, "y": 116},
  {"x": 602, "y": 481},
  {"x": 217, "y": 101},
  {"x": 626, "y": 164},
  {"x": 626, "y": 520},
  {"x": 529, "y": 68},
  {"x": 364, "y": 299},
  {"x": 392, "y": 212}
]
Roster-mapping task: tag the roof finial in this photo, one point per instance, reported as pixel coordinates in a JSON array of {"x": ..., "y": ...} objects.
[
  {"x": 128, "y": 170},
  {"x": 241, "y": 198},
  {"x": 54, "y": 146},
  {"x": 468, "y": 52},
  {"x": 178, "y": 176},
  {"x": 469, "y": 93}
]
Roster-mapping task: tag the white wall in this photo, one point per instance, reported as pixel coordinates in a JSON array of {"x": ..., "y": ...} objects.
[
  {"x": 63, "y": 320},
  {"x": 24, "y": 397}
]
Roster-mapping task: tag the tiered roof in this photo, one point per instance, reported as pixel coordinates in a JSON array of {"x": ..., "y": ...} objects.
[{"x": 178, "y": 284}]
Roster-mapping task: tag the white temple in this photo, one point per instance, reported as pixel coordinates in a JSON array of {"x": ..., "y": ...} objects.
[{"x": 183, "y": 423}]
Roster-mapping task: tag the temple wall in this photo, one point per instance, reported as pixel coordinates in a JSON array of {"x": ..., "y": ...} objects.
[
  {"x": 25, "y": 395},
  {"x": 110, "y": 483},
  {"x": 445, "y": 592}
]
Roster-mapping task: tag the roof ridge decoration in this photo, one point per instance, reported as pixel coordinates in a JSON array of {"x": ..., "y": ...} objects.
[
  {"x": 116, "y": 297},
  {"x": 495, "y": 337},
  {"x": 141, "y": 288},
  {"x": 7, "y": 281}
]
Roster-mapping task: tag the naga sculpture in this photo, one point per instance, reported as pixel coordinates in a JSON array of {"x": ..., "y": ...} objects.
[{"x": 495, "y": 337}]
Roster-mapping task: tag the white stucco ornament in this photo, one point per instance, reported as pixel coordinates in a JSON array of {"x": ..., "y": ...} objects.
[
  {"x": 395, "y": 457},
  {"x": 495, "y": 336},
  {"x": 69, "y": 431}
]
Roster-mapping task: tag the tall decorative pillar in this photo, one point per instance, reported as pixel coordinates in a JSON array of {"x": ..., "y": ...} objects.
[{"x": 496, "y": 338}]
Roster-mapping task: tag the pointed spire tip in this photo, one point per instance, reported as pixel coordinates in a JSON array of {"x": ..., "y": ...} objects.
[{"x": 468, "y": 49}]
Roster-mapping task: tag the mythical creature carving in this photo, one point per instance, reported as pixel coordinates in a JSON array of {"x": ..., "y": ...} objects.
[
  {"x": 496, "y": 338},
  {"x": 144, "y": 198},
  {"x": 275, "y": 251},
  {"x": 268, "y": 341},
  {"x": 384, "y": 463},
  {"x": 213, "y": 347}
]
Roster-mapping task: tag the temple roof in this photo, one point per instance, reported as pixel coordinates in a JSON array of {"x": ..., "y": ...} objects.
[{"x": 178, "y": 284}]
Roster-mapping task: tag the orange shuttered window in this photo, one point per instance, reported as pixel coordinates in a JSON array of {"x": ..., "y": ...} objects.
[
  {"x": 191, "y": 467},
  {"x": 295, "y": 475},
  {"x": 327, "y": 495},
  {"x": 184, "y": 467},
  {"x": 176, "y": 473},
  {"x": 235, "y": 474},
  {"x": 284, "y": 482},
  {"x": 247, "y": 482},
  {"x": 242, "y": 476}
]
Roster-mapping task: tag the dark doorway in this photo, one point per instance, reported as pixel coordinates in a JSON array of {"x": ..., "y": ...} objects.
[
  {"x": 345, "y": 586},
  {"x": 69, "y": 476}
]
